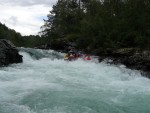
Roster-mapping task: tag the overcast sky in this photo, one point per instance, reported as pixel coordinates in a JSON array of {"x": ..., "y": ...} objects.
[{"x": 25, "y": 16}]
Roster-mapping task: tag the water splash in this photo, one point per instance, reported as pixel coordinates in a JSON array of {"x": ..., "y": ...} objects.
[{"x": 49, "y": 84}]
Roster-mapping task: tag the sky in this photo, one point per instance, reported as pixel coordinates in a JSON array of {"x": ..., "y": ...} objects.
[{"x": 25, "y": 16}]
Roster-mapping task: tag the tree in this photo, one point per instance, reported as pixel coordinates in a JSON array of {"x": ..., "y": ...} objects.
[
  {"x": 100, "y": 23},
  {"x": 62, "y": 20}
]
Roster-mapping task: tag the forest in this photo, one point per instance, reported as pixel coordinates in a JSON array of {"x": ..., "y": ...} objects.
[
  {"x": 18, "y": 39},
  {"x": 95, "y": 24},
  {"x": 92, "y": 24}
]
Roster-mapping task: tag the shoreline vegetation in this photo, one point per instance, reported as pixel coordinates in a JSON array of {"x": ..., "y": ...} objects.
[{"x": 117, "y": 30}]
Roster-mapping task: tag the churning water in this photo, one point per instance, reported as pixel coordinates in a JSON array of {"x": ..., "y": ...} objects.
[{"x": 45, "y": 83}]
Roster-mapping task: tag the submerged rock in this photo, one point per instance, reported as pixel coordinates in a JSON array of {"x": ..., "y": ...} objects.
[{"x": 8, "y": 53}]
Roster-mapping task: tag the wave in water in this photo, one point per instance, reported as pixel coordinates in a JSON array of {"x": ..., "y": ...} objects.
[{"x": 45, "y": 83}]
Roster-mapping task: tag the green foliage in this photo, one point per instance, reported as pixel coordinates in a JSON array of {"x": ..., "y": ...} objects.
[
  {"x": 6, "y": 33},
  {"x": 100, "y": 23},
  {"x": 18, "y": 40},
  {"x": 62, "y": 20}
]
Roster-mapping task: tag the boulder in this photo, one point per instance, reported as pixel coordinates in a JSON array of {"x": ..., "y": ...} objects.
[{"x": 8, "y": 53}]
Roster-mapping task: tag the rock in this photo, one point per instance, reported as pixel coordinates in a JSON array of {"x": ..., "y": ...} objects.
[
  {"x": 8, "y": 53},
  {"x": 45, "y": 46},
  {"x": 123, "y": 52},
  {"x": 133, "y": 58}
]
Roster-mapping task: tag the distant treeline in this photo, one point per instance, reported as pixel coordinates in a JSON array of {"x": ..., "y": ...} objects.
[
  {"x": 18, "y": 39},
  {"x": 95, "y": 24}
]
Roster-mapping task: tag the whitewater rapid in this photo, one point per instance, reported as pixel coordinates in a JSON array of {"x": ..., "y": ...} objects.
[{"x": 45, "y": 83}]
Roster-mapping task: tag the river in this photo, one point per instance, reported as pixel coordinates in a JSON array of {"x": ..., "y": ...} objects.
[{"x": 45, "y": 83}]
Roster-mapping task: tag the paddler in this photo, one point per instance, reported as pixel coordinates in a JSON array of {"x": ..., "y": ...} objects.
[
  {"x": 87, "y": 57},
  {"x": 67, "y": 56}
]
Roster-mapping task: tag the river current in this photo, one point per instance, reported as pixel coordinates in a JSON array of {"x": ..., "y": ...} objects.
[{"x": 45, "y": 83}]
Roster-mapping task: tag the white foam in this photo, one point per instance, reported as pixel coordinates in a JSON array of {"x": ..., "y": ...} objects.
[{"x": 80, "y": 79}]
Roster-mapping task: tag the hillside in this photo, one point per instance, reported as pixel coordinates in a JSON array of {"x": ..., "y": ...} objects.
[{"x": 18, "y": 39}]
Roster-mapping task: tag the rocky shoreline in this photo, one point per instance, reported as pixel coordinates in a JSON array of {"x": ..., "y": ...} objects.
[
  {"x": 133, "y": 58},
  {"x": 8, "y": 53}
]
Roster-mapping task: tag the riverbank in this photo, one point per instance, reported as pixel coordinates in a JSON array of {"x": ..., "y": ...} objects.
[{"x": 133, "y": 58}]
